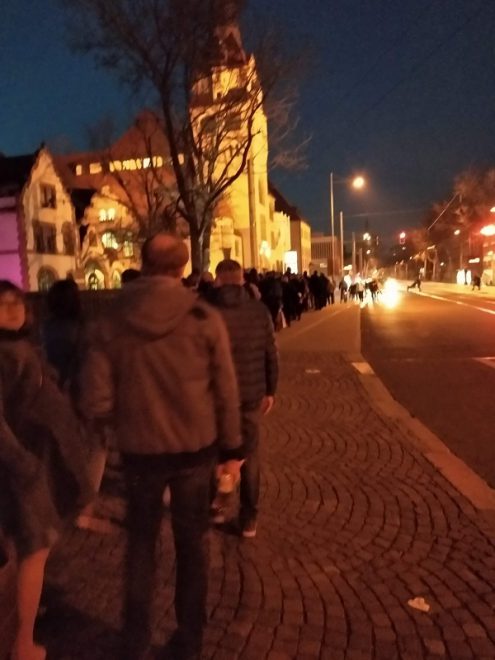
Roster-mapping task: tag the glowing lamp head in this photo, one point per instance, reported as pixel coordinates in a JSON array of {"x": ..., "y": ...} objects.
[
  {"x": 457, "y": 232},
  {"x": 358, "y": 183},
  {"x": 489, "y": 230}
]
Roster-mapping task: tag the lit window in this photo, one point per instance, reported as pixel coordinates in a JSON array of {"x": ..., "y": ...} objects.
[
  {"x": 95, "y": 168},
  {"x": 116, "y": 280},
  {"x": 48, "y": 196},
  {"x": 109, "y": 240},
  {"x": 129, "y": 165},
  {"x": 146, "y": 163},
  {"x": 128, "y": 246},
  {"x": 102, "y": 215},
  {"x": 116, "y": 166},
  {"x": 79, "y": 170},
  {"x": 111, "y": 214},
  {"x": 157, "y": 161}
]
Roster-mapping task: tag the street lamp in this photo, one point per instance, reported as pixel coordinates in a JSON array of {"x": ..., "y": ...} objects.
[
  {"x": 488, "y": 230},
  {"x": 358, "y": 183}
]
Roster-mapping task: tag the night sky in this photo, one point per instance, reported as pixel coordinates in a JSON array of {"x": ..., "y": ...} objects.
[{"x": 400, "y": 90}]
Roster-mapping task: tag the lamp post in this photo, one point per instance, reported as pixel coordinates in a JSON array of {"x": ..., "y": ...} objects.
[{"x": 358, "y": 183}]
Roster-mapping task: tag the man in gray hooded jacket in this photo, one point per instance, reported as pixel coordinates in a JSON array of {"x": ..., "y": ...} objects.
[{"x": 162, "y": 370}]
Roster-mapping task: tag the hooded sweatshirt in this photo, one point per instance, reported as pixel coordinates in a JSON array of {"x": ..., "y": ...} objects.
[{"x": 162, "y": 368}]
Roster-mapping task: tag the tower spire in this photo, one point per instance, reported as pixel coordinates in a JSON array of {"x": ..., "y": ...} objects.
[{"x": 230, "y": 51}]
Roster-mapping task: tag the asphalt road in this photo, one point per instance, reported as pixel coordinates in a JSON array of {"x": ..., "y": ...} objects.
[{"x": 433, "y": 353}]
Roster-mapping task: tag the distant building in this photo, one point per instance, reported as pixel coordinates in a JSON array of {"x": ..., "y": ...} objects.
[
  {"x": 321, "y": 254},
  {"x": 38, "y": 235},
  {"x": 298, "y": 258},
  {"x": 86, "y": 214}
]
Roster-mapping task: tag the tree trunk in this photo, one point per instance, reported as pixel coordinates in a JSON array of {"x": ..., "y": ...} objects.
[
  {"x": 206, "y": 249},
  {"x": 196, "y": 249}
]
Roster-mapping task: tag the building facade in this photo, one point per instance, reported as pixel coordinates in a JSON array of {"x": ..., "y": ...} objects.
[
  {"x": 38, "y": 233},
  {"x": 323, "y": 258},
  {"x": 86, "y": 214}
]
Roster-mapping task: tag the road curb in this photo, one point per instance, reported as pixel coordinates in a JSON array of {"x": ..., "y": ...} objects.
[{"x": 461, "y": 476}]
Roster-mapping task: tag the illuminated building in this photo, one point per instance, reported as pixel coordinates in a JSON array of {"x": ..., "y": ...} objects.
[
  {"x": 295, "y": 236},
  {"x": 38, "y": 234}
]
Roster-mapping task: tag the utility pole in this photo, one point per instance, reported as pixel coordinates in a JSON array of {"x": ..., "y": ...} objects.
[
  {"x": 354, "y": 253},
  {"x": 332, "y": 226}
]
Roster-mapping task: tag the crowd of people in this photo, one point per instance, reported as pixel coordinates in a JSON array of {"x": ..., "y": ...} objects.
[
  {"x": 179, "y": 378},
  {"x": 176, "y": 376},
  {"x": 288, "y": 295}
]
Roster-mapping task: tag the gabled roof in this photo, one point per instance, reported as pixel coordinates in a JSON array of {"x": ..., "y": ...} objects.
[
  {"x": 282, "y": 205},
  {"x": 15, "y": 171}
]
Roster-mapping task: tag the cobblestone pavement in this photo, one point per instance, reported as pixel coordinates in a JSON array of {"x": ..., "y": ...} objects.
[{"x": 354, "y": 524}]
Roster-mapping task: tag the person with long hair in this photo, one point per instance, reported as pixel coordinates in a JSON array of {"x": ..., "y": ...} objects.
[{"x": 43, "y": 480}]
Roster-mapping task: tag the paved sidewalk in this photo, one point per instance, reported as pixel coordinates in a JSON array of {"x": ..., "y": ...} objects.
[{"x": 355, "y": 523}]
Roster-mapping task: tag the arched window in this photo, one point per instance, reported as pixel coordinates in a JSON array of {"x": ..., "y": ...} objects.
[
  {"x": 46, "y": 277},
  {"x": 109, "y": 240},
  {"x": 128, "y": 245},
  {"x": 116, "y": 280},
  {"x": 95, "y": 279}
]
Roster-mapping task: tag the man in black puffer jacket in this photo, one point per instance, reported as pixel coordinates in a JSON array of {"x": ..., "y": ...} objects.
[{"x": 255, "y": 355}]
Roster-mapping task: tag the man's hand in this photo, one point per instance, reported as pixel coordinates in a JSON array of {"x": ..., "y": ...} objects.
[{"x": 267, "y": 404}]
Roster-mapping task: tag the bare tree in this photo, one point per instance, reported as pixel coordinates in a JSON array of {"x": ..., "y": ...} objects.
[{"x": 187, "y": 56}]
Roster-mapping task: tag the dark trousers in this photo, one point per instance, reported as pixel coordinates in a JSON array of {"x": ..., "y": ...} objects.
[
  {"x": 250, "y": 471},
  {"x": 146, "y": 479}
]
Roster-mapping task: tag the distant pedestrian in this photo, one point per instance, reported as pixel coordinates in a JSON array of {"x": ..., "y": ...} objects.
[
  {"x": 272, "y": 295},
  {"x": 163, "y": 369},
  {"x": 65, "y": 338},
  {"x": 205, "y": 285},
  {"x": 290, "y": 300},
  {"x": 63, "y": 333},
  {"x": 360, "y": 290},
  {"x": 476, "y": 282},
  {"x": 343, "y": 290},
  {"x": 252, "y": 339},
  {"x": 415, "y": 283}
]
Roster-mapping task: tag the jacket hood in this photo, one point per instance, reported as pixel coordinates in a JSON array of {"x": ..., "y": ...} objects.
[
  {"x": 154, "y": 306},
  {"x": 230, "y": 295}
]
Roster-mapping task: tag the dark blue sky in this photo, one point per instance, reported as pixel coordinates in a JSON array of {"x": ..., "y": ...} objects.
[{"x": 402, "y": 90}]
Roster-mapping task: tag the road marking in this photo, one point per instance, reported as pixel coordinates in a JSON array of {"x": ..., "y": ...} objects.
[
  {"x": 456, "y": 302},
  {"x": 488, "y": 361},
  {"x": 364, "y": 368}
]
